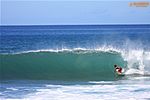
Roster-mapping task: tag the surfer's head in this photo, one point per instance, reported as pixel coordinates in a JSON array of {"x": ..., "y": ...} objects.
[{"x": 115, "y": 65}]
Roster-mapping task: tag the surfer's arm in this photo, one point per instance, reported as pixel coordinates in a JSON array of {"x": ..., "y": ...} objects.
[{"x": 114, "y": 69}]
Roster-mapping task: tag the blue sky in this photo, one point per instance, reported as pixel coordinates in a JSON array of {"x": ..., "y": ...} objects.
[{"x": 71, "y": 12}]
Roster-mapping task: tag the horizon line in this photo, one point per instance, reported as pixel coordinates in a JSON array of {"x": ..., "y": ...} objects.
[{"x": 74, "y": 24}]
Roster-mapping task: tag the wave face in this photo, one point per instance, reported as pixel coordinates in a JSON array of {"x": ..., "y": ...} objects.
[
  {"x": 62, "y": 65},
  {"x": 73, "y": 64}
]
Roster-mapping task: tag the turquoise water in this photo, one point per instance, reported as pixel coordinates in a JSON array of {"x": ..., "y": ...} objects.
[
  {"x": 62, "y": 65},
  {"x": 75, "y": 62}
]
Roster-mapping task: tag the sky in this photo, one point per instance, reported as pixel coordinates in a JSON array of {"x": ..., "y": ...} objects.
[{"x": 72, "y": 12}]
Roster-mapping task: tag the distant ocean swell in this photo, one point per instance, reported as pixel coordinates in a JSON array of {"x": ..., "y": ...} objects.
[{"x": 73, "y": 64}]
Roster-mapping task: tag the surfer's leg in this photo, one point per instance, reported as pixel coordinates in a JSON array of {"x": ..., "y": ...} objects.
[{"x": 119, "y": 71}]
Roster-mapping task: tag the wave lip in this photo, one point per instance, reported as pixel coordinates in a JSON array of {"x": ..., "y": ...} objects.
[{"x": 82, "y": 50}]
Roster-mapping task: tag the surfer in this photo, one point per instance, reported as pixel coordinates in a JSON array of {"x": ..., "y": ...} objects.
[{"x": 119, "y": 69}]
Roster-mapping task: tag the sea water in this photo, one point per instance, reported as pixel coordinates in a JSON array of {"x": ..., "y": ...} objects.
[{"x": 70, "y": 62}]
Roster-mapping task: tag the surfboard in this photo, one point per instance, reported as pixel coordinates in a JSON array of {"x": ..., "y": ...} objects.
[{"x": 122, "y": 74}]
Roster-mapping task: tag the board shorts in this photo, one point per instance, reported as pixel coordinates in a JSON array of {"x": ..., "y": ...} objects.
[{"x": 119, "y": 70}]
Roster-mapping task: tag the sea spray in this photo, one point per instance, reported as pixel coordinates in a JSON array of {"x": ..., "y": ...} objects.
[{"x": 138, "y": 62}]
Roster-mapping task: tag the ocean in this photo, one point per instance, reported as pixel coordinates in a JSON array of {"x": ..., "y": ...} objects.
[{"x": 72, "y": 62}]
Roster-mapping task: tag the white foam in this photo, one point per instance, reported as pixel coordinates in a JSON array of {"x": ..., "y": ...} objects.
[
  {"x": 137, "y": 62},
  {"x": 13, "y": 89},
  {"x": 92, "y": 92},
  {"x": 100, "y": 82},
  {"x": 117, "y": 90},
  {"x": 53, "y": 85},
  {"x": 139, "y": 78}
]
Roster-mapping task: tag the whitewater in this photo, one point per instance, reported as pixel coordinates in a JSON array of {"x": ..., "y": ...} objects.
[{"x": 75, "y": 62}]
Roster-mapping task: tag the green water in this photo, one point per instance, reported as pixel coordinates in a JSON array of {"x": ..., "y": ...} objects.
[{"x": 63, "y": 65}]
